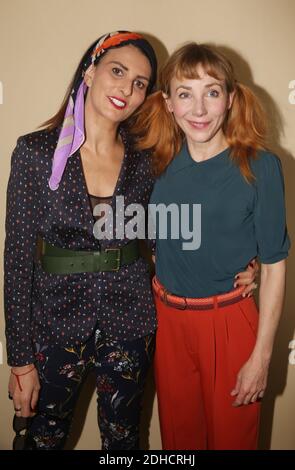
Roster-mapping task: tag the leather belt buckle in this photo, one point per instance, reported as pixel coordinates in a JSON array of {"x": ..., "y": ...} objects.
[
  {"x": 174, "y": 304},
  {"x": 118, "y": 258},
  {"x": 184, "y": 306}
]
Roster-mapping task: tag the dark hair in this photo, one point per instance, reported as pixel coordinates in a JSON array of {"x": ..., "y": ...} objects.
[{"x": 142, "y": 44}]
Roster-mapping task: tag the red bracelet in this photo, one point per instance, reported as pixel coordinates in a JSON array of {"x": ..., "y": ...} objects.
[{"x": 20, "y": 375}]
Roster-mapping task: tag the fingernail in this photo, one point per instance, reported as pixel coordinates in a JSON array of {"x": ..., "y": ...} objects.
[
  {"x": 235, "y": 285},
  {"x": 243, "y": 295}
]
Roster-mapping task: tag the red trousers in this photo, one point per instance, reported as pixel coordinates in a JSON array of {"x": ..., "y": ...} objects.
[{"x": 198, "y": 356}]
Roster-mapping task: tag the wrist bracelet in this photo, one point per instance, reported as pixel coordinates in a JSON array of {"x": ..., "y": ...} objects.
[{"x": 20, "y": 375}]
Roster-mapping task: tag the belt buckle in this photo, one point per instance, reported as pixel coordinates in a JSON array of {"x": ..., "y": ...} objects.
[
  {"x": 184, "y": 306},
  {"x": 170, "y": 302},
  {"x": 118, "y": 259}
]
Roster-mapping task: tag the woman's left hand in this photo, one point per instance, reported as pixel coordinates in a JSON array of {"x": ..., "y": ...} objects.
[
  {"x": 251, "y": 381},
  {"x": 247, "y": 278}
]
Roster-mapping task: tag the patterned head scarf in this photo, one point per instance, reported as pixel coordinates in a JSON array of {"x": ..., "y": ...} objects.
[{"x": 72, "y": 134}]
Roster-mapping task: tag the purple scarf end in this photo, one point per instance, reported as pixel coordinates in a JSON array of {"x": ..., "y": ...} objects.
[
  {"x": 71, "y": 137},
  {"x": 53, "y": 184}
]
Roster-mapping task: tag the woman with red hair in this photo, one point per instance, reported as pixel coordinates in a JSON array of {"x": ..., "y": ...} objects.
[{"x": 213, "y": 349}]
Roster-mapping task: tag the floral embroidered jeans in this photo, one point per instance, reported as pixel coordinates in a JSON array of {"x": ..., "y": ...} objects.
[{"x": 121, "y": 369}]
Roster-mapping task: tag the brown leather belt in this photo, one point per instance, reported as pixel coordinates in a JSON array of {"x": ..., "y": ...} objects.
[{"x": 192, "y": 303}]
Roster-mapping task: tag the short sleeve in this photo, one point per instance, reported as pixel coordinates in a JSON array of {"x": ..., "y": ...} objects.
[{"x": 272, "y": 237}]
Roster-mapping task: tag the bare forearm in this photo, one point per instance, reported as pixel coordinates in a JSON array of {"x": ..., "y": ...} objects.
[{"x": 271, "y": 296}]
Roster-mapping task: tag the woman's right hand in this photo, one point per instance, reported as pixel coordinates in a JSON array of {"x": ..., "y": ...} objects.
[
  {"x": 25, "y": 400},
  {"x": 247, "y": 278}
]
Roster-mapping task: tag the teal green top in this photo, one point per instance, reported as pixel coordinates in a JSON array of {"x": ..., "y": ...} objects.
[{"x": 238, "y": 221}]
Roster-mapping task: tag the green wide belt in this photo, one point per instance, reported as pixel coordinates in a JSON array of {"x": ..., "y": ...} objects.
[{"x": 63, "y": 261}]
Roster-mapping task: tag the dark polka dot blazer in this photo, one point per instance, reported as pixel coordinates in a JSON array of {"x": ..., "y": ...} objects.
[{"x": 66, "y": 308}]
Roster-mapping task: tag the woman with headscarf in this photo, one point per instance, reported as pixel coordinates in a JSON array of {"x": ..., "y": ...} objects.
[{"x": 86, "y": 302}]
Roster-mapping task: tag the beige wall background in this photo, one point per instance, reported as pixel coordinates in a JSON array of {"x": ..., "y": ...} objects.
[{"x": 41, "y": 43}]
